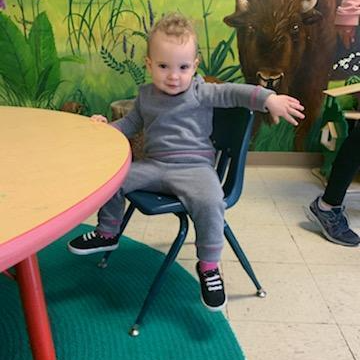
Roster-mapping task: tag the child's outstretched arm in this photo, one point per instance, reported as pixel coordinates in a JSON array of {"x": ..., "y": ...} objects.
[{"x": 286, "y": 107}]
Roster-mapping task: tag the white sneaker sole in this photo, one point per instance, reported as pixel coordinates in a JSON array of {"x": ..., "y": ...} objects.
[
  {"x": 214, "y": 309},
  {"x": 91, "y": 251}
]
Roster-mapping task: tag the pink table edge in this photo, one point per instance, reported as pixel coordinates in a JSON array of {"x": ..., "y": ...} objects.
[{"x": 20, "y": 247}]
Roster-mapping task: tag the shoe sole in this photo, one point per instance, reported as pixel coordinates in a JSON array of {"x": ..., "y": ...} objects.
[
  {"x": 212, "y": 308},
  {"x": 311, "y": 216},
  {"x": 91, "y": 251}
]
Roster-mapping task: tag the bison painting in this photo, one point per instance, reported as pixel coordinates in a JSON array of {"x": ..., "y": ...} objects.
[{"x": 288, "y": 46}]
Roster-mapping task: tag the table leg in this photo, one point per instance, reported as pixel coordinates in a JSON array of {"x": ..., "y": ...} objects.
[{"x": 34, "y": 305}]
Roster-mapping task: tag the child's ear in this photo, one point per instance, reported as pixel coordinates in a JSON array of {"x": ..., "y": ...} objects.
[
  {"x": 196, "y": 64},
  {"x": 148, "y": 64}
]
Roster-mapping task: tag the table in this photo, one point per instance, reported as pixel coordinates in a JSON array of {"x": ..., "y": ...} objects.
[
  {"x": 335, "y": 129},
  {"x": 346, "y": 90},
  {"x": 57, "y": 169},
  {"x": 343, "y": 90}
]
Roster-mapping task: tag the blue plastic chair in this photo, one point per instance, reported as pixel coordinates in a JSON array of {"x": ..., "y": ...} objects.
[{"x": 231, "y": 136}]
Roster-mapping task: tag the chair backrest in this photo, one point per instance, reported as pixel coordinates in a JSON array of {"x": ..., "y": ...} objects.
[{"x": 231, "y": 137}]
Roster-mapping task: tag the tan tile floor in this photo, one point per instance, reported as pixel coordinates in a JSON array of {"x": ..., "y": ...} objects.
[{"x": 312, "y": 310}]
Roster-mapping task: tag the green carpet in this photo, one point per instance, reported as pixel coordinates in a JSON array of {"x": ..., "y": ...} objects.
[{"x": 91, "y": 310}]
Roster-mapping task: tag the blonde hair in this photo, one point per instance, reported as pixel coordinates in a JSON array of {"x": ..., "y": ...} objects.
[{"x": 173, "y": 24}]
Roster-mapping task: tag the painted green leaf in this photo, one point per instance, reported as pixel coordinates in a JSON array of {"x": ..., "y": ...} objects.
[
  {"x": 220, "y": 53},
  {"x": 42, "y": 45},
  {"x": 226, "y": 73},
  {"x": 17, "y": 63},
  {"x": 73, "y": 58}
]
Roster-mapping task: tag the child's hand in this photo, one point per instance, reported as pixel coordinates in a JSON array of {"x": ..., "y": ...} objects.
[
  {"x": 284, "y": 106},
  {"x": 99, "y": 119}
]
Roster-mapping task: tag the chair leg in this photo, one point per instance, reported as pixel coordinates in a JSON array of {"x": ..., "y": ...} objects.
[
  {"x": 243, "y": 259},
  {"x": 160, "y": 276},
  {"x": 104, "y": 261}
]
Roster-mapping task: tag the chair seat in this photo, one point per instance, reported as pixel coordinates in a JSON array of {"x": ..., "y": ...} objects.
[{"x": 154, "y": 203}]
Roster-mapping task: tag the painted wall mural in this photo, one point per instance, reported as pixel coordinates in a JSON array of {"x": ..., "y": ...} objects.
[
  {"x": 81, "y": 55},
  {"x": 292, "y": 33}
]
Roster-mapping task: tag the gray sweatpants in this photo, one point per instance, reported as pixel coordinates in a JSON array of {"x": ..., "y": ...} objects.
[{"x": 196, "y": 185}]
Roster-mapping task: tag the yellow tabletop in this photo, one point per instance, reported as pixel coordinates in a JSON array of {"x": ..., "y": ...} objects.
[
  {"x": 343, "y": 90},
  {"x": 51, "y": 161}
]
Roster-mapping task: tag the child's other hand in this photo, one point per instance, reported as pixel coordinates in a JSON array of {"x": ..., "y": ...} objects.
[
  {"x": 286, "y": 107},
  {"x": 99, "y": 119}
]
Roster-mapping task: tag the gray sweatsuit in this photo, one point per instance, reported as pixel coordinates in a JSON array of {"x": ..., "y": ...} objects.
[{"x": 179, "y": 155}]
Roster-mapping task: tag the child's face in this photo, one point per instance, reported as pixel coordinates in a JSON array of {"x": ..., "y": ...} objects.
[{"x": 171, "y": 63}]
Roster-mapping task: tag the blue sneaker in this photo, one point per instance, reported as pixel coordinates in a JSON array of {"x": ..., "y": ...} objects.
[{"x": 333, "y": 223}]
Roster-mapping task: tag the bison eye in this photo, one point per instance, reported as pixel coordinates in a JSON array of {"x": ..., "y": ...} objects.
[
  {"x": 250, "y": 29},
  {"x": 295, "y": 29}
]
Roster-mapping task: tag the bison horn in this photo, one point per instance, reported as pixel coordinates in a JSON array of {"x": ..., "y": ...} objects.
[
  {"x": 242, "y": 5},
  {"x": 307, "y": 5},
  {"x": 234, "y": 20}
]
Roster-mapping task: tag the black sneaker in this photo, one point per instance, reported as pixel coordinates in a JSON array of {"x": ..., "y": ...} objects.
[
  {"x": 91, "y": 243},
  {"x": 212, "y": 289},
  {"x": 333, "y": 224}
]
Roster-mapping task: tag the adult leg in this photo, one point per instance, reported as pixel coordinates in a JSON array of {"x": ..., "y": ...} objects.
[
  {"x": 344, "y": 169},
  {"x": 327, "y": 211}
]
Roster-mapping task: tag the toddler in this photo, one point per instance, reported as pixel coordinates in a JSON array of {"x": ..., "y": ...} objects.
[{"x": 175, "y": 112}]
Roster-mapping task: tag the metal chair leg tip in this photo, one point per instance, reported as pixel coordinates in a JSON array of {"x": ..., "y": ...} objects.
[
  {"x": 261, "y": 293},
  {"x": 134, "y": 331}
]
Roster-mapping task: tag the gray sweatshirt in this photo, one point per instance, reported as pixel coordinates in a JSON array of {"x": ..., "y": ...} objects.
[{"x": 177, "y": 128}]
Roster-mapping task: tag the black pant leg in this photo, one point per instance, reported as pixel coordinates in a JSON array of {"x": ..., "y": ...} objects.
[{"x": 344, "y": 169}]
